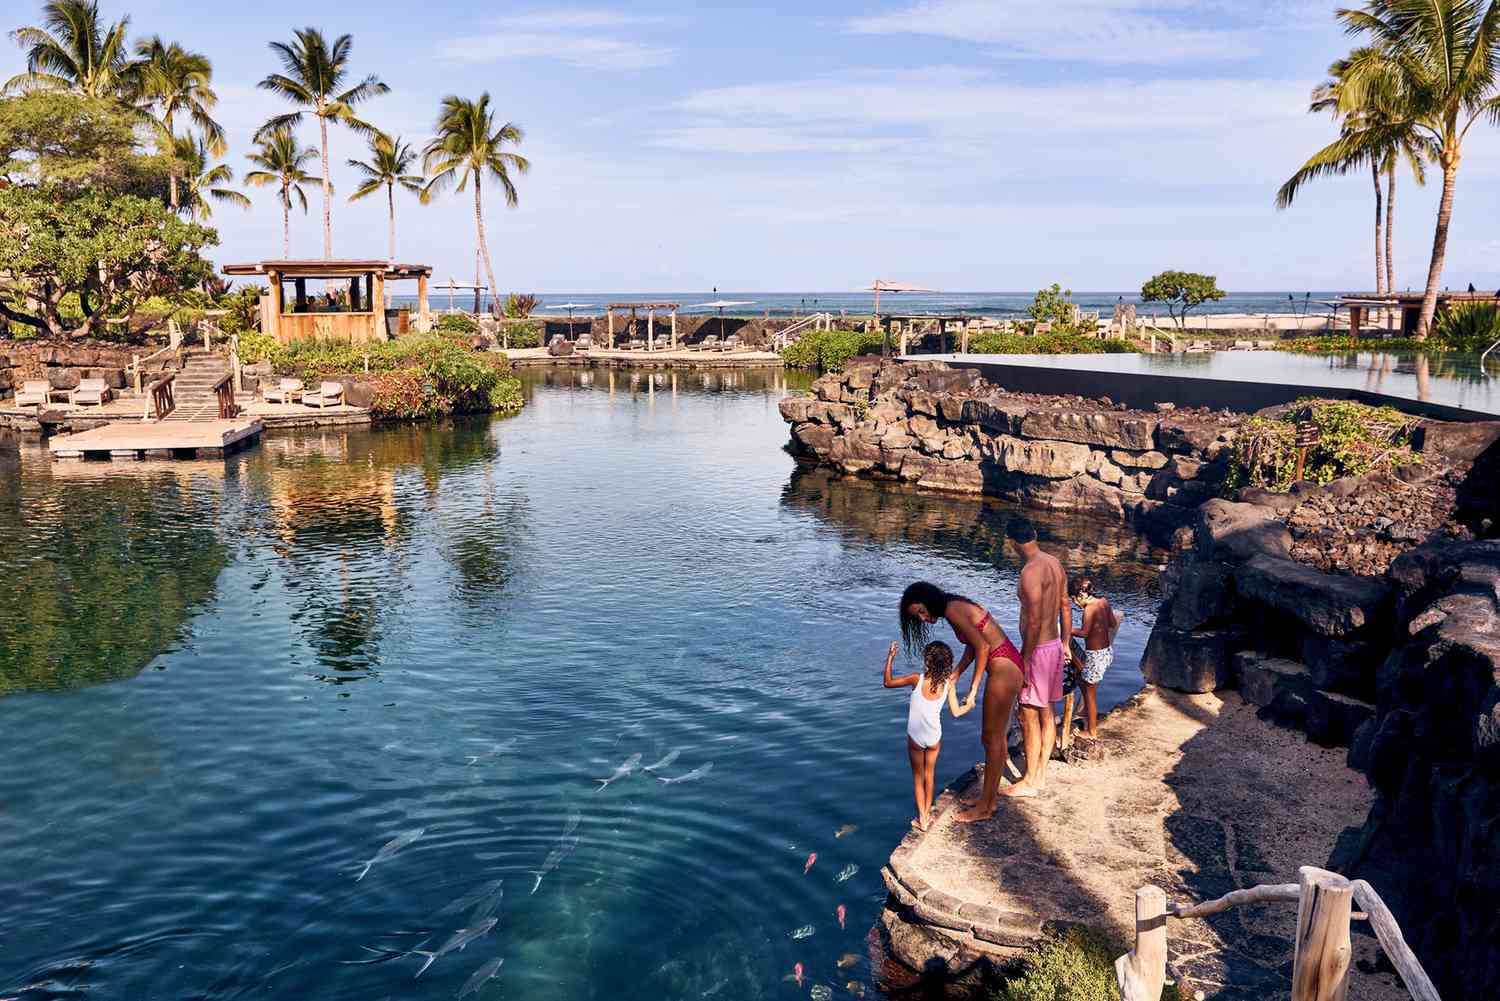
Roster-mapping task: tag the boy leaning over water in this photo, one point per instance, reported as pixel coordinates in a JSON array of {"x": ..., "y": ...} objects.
[{"x": 1100, "y": 624}]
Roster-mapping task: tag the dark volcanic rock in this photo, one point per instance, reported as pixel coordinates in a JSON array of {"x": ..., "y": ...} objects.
[
  {"x": 1191, "y": 661},
  {"x": 1328, "y": 605},
  {"x": 1201, "y": 591},
  {"x": 1231, "y": 531},
  {"x": 1123, "y": 430}
]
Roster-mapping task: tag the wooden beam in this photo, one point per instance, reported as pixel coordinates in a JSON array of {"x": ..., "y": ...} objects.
[
  {"x": 1320, "y": 960},
  {"x": 1394, "y": 943},
  {"x": 421, "y": 295}
]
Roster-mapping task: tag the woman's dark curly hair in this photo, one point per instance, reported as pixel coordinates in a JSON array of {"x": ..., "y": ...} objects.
[
  {"x": 937, "y": 660},
  {"x": 914, "y": 632}
]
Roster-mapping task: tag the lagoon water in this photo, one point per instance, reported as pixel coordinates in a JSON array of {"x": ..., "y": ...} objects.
[{"x": 224, "y": 686}]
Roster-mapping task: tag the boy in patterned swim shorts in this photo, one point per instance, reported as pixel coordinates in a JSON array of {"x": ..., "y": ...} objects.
[{"x": 1100, "y": 624}]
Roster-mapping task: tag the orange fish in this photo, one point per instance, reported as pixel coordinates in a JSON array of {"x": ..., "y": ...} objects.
[
  {"x": 810, "y": 860},
  {"x": 840, "y": 913},
  {"x": 797, "y": 974}
]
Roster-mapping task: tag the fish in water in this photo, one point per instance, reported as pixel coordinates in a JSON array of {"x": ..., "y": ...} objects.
[
  {"x": 839, "y": 913},
  {"x": 664, "y": 762},
  {"x": 474, "y": 896},
  {"x": 810, "y": 860},
  {"x": 820, "y": 992},
  {"x": 695, "y": 774},
  {"x": 458, "y": 941},
  {"x": 856, "y": 988},
  {"x": 503, "y": 747},
  {"x": 554, "y": 858},
  {"x": 846, "y": 829},
  {"x": 847, "y": 873},
  {"x": 630, "y": 764},
  {"x": 847, "y": 960},
  {"x": 716, "y": 988},
  {"x": 797, "y": 974},
  {"x": 390, "y": 848},
  {"x": 571, "y": 824},
  {"x": 806, "y": 931},
  {"x": 481, "y": 976}
]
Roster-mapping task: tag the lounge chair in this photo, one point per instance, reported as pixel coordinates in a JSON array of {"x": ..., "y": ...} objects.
[
  {"x": 288, "y": 391},
  {"x": 33, "y": 393},
  {"x": 584, "y": 343},
  {"x": 92, "y": 392},
  {"x": 730, "y": 343},
  {"x": 559, "y": 346},
  {"x": 635, "y": 344},
  {"x": 329, "y": 394},
  {"x": 709, "y": 343}
]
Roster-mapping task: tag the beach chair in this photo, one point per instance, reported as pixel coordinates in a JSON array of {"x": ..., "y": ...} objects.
[
  {"x": 730, "y": 343},
  {"x": 1266, "y": 345},
  {"x": 329, "y": 394},
  {"x": 91, "y": 392},
  {"x": 287, "y": 391},
  {"x": 584, "y": 343},
  {"x": 559, "y": 346},
  {"x": 33, "y": 393},
  {"x": 635, "y": 344},
  {"x": 1244, "y": 345}
]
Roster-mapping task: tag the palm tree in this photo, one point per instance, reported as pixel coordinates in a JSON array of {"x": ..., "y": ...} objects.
[
  {"x": 176, "y": 82},
  {"x": 281, "y": 160},
  {"x": 1435, "y": 65},
  {"x": 314, "y": 73},
  {"x": 203, "y": 181},
  {"x": 389, "y": 163},
  {"x": 467, "y": 147},
  {"x": 74, "y": 50}
]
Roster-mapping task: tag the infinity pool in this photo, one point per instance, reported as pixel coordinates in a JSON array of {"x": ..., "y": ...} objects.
[{"x": 224, "y": 687}]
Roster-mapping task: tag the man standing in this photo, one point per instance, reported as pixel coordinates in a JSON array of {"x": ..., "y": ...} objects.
[{"x": 1046, "y": 623}]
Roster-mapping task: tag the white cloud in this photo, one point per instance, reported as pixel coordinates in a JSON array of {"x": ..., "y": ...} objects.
[{"x": 586, "y": 38}]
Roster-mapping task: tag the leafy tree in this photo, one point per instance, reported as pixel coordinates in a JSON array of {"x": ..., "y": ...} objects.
[
  {"x": 389, "y": 165},
  {"x": 71, "y": 142},
  {"x": 281, "y": 161},
  {"x": 315, "y": 72},
  {"x": 1435, "y": 67},
  {"x": 467, "y": 147},
  {"x": 203, "y": 180},
  {"x": 74, "y": 50},
  {"x": 176, "y": 83},
  {"x": 1181, "y": 291},
  {"x": 1053, "y": 305}
]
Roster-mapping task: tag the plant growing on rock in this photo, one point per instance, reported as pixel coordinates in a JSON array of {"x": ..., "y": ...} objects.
[
  {"x": 1353, "y": 439},
  {"x": 1181, "y": 291}
]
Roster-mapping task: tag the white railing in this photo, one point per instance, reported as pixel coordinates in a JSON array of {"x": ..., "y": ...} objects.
[
  {"x": 818, "y": 321},
  {"x": 1485, "y": 355}
]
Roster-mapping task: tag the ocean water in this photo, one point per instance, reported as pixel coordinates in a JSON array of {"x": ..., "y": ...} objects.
[{"x": 225, "y": 686}]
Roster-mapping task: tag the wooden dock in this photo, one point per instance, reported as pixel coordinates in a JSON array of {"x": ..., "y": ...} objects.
[{"x": 157, "y": 440}]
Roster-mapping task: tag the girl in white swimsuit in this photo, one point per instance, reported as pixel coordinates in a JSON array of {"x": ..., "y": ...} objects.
[{"x": 924, "y": 718}]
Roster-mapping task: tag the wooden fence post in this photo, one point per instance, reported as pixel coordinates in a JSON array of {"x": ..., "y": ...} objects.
[
  {"x": 1320, "y": 964},
  {"x": 1142, "y": 971}
]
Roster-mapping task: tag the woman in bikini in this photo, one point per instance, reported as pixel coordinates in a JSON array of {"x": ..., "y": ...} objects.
[{"x": 997, "y": 665}]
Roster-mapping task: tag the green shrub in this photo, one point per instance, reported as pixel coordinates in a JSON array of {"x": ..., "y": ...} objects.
[
  {"x": 458, "y": 323},
  {"x": 524, "y": 335},
  {"x": 1053, "y": 305},
  {"x": 830, "y": 350},
  {"x": 995, "y": 342},
  {"x": 1076, "y": 966},
  {"x": 519, "y": 306},
  {"x": 1354, "y": 439},
  {"x": 1469, "y": 327}
]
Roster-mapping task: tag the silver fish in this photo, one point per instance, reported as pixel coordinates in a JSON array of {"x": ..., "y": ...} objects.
[
  {"x": 458, "y": 941},
  {"x": 806, "y": 931},
  {"x": 820, "y": 992},
  {"x": 503, "y": 747},
  {"x": 846, "y": 873},
  {"x": 474, "y": 896},
  {"x": 696, "y": 773},
  {"x": 630, "y": 765},
  {"x": 390, "y": 848},
  {"x": 571, "y": 824},
  {"x": 716, "y": 988},
  {"x": 664, "y": 762},
  {"x": 555, "y": 857},
  {"x": 480, "y": 977}
]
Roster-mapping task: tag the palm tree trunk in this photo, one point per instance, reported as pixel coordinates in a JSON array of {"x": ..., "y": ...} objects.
[
  {"x": 327, "y": 195},
  {"x": 286, "y": 222},
  {"x": 1390, "y": 231},
  {"x": 1439, "y": 246},
  {"x": 484, "y": 247},
  {"x": 390, "y": 197},
  {"x": 1379, "y": 226},
  {"x": 172, "y": 177}
]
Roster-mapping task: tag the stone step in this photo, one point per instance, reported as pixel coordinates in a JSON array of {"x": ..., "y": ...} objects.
[{"x": 1288, "y": 696}]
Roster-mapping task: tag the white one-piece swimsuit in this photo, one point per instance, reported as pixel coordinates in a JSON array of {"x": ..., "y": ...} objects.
[{"x": 924, "y": 720}]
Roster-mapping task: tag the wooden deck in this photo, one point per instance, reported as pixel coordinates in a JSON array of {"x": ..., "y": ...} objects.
[{"x": 157, "y": 440}]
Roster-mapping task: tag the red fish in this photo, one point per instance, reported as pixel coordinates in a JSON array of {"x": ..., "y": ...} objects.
[
  {"x": 797, "y": 974},
  {"x": 810, "y": 860},
  {"x": 840, "y": 913}
]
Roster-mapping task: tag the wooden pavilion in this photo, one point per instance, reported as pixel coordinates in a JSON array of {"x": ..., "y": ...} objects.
[
  {"x": 1362, "y": 304},
  {"x": 650, "y": 309},
  {"x": 355, "y": 312}
]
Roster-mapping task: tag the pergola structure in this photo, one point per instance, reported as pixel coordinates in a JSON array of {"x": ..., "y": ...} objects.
[
  {"x": 906, "y": 324},
  {"x": 288, "y": 312},
  {"x": 882, "y": 285},
  {"x": 650, "y": 309},
  {"x": 1361, "y": 304}
]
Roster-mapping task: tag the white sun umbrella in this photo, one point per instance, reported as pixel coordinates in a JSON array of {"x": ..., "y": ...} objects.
[
  {"x": 570, "y": 306},
  {"x": 721, "y": 305},
  {"x": 882, "y": 285}
]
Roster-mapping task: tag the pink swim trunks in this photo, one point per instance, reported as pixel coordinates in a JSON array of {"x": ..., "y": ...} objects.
[{"x": 1043, "y": 675}]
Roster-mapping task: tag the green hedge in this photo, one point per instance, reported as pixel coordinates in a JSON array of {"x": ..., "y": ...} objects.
[
  {"x": 1078, "y": 965},
  {"x": 830, "y": 350},
  {"x": 995, "y": 342}
]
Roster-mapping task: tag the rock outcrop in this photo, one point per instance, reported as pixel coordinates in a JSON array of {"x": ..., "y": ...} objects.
[{"x": 63, "y": 364}]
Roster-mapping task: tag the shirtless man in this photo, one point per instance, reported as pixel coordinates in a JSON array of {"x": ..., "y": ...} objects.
[{"x": 1046, "y": 624}]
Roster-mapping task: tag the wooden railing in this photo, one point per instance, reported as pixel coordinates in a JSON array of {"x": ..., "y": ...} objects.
[
  {"x": 160, "y": 400},
  {"x": 1322, "y": 952},
  {"x": 136, "y": 361},
  {"x": 223, "y": 390}
]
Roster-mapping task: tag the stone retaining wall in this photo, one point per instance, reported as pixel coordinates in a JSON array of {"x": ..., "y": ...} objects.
[{"x": 64, "y": 363}]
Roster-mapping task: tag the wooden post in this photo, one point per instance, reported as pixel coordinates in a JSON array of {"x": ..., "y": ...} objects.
[
  {"x": 377, "y": 303},
  {"x": 650, "y": 330},
  {"x": 1320, "y": 962},
  {"x": 1142, "y": 971},
  {"x": 422, "y": 295},
  {"x": 674, "y": 338},
  {"x": 609, "y": 339},
  {"x": 301, "y": 285},
  {"x": 271, "y": 317},
  {"x": 1356, "y": 313},
  {"x": 965, "y": 348}
]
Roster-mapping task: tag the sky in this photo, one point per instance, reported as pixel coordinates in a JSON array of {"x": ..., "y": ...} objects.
[{"x": 959, "y": 144}]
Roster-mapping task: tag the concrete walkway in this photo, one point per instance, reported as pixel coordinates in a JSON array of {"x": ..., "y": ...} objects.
[{"x": 1192, "y": 793}]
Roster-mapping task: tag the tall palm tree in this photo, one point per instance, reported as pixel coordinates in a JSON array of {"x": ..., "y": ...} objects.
[
  {"x": 174, "y": 82},
  {"x": 315, "y": 72},
  {"x": 74, "y": 50},
  {"x": 467, "y": 147},
  {"x": 204, "y": 181},
  {"x": 281, "y": 161},
  {"x": 1436, "y": 65},
  {"x": 389, "y": 165}
]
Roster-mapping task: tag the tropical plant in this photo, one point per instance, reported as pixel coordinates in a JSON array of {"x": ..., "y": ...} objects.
[
  {"x": 1468, "y": 326},
  {"x": 1181, "y": 291},
  {"x": 176, "y": 83},
  {"x": 69, "y": 143},
  {"x": 281, "y": 160},
  {"x": 74, "y": 50},
  {"x": 389, "y": 165},
  {"x": 314, "y": 73},
  {"x": 1353, "y": 439},
  {"x": 203, "y": 181},
  {"x": 1053, "y": 305},
  {"x": 1434, "y": 66},
  {"x": 466, "y": 148},
  {"x": 830, "y": 350},
  {"x": 519, "y": 305}
]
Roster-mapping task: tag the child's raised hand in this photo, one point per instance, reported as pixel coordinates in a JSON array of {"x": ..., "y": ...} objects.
[{"x": 894, "y": 648}]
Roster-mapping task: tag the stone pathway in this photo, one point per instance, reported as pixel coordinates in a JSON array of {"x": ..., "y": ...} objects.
[{"x": 1192, "y": 793}]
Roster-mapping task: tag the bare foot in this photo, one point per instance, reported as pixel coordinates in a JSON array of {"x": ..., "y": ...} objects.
[
  {"x": 925, "y": 825},
  {"x": 1020, "y": 790},
  {"x": 966, "y": 802},
  {"x": 975, "y": 814}
]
